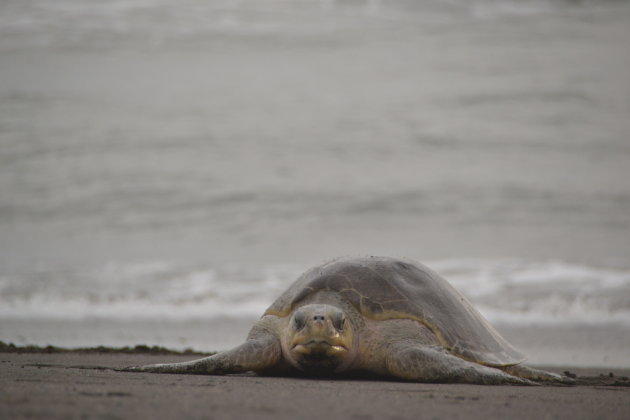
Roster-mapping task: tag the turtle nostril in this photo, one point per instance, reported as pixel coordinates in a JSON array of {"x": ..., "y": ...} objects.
[{"x": 318, "y": 318}]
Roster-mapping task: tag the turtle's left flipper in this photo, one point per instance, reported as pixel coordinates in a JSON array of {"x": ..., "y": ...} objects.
[
  {"x": 260, "y": 352},
  {"x": 538, "y": 375},
  {"x": 435, "y": 364}
]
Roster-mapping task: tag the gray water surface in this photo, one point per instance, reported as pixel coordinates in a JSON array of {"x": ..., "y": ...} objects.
[{"x": 247, "y": 134}]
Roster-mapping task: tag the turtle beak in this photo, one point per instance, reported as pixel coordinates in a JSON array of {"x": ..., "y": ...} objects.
[
  {"x": 319, "y": 340},
  {"x": 318, "y": 332},
  {"x": 319, "y": 349},
  {"x": 323, "y": 348},
  {"x": 319, "y": 335}
]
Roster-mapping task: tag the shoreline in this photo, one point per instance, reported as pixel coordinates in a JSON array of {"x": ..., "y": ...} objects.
[
  {"x": 605, "y": 347},
  {"x": 77, "y": 384},
  {"x": 137, "y": 349}
]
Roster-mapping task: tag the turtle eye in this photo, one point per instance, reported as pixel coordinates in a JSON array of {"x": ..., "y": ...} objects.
[
  {"x": 338, "y": 320},
  {"x": 300, "y": 320}
]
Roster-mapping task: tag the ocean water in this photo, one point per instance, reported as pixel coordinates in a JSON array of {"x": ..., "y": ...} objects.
[
  {"x": 167, "y": 169},
  {"x": 506, "y": 291}
]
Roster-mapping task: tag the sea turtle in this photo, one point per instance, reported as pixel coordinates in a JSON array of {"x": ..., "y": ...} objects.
[{"x": 381, "y": 316}]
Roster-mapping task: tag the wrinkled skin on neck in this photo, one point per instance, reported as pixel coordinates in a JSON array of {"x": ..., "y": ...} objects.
[{"x": 321, "y": 338}]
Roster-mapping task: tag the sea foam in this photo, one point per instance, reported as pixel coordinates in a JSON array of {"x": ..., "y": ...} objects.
[{"x": 511, "y": 291}]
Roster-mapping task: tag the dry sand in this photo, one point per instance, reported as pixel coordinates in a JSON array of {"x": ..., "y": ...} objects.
[{"x": 65, "y": 385}]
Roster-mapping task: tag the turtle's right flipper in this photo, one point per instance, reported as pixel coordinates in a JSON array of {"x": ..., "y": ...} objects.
[
  {"x": 256, "y": 354},
  {"x": 435, "y": 364}
]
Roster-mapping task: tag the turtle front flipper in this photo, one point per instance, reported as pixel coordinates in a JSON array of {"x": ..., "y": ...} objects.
[
  {"x": 413, "y": 362},
  {"x": 261, "y": 352}
]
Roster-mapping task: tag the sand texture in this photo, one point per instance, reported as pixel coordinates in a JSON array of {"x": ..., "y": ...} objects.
[{"x": 66, "y": 385}]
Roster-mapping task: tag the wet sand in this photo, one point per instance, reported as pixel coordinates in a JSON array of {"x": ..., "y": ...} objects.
[{"x": 67, "y": 385}]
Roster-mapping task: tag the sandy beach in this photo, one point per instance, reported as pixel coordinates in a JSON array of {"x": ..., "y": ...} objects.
[{"x": 71, "y": 385}]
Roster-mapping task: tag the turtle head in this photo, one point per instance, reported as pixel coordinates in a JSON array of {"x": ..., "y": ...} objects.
[{"x": 319, "y": 339}]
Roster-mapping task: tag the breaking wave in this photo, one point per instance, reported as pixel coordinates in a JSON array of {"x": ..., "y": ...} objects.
[{"x": 513, "y": 292}]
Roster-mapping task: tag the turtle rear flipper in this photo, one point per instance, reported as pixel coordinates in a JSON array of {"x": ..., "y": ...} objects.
[{"x": 538, "y": 375}]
